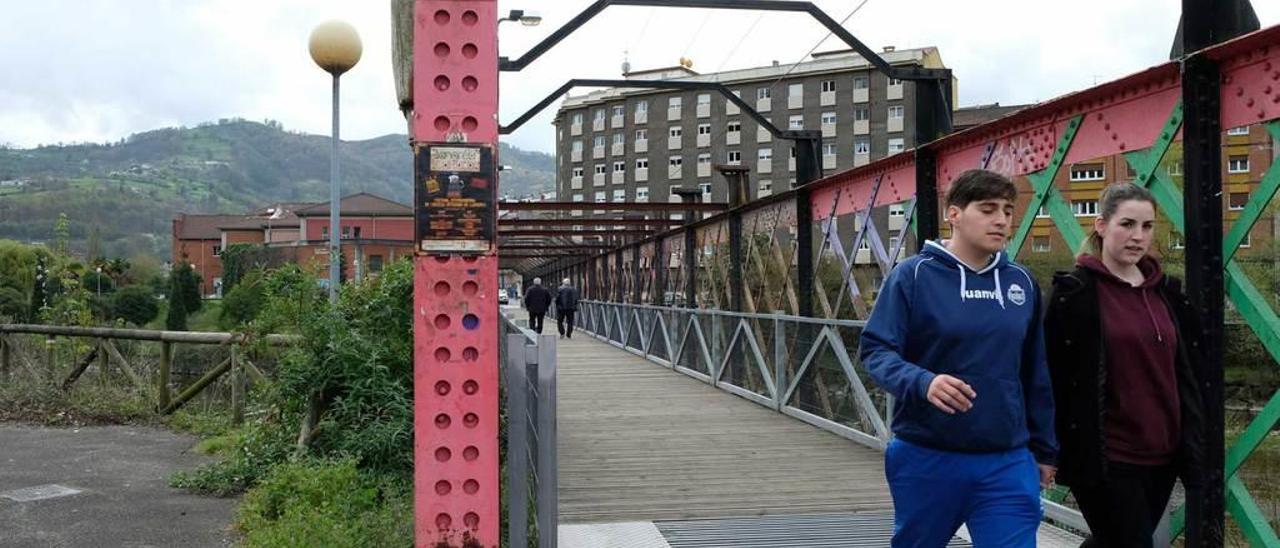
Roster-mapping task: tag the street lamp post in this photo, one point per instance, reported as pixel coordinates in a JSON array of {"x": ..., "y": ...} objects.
[
  {"x": 335, "y": 47},
  {"x": 99, "y": 280}
]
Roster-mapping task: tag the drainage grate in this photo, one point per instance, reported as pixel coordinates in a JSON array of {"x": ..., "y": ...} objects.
[
  {"x": 863, "y": 529},
  {"x": 39, "y": 492}
]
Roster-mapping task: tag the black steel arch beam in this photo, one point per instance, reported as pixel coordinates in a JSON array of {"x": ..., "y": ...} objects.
[
  {"x": 902, "y": 73},
  {"x": 660, "y": 84}
]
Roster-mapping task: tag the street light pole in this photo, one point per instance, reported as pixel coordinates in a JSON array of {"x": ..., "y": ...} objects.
[{"x": 335, "y": 47}]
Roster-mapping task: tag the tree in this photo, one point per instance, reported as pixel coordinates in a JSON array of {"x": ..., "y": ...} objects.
[
  {"x": 177, "y": 318},
  {"x": 62, "y": 233},
  {"x": 94, "y": 245},
  {"x": 135, "y": 304},
  {"x": 12, "y": 303}
]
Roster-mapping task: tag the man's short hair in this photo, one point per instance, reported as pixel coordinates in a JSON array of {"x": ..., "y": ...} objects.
[
  {"x": 977, "y": 185},
  {"x": 566, "y": 281},
  {"x": 537, "y": 281}
]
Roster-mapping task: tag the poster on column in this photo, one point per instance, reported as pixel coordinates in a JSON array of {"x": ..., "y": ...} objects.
[{"x": 455, "y": 192}]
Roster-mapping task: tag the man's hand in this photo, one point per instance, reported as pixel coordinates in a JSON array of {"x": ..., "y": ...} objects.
[
  {"x": 950, "y": 394},
  {"x": 1047, "y": 473}
]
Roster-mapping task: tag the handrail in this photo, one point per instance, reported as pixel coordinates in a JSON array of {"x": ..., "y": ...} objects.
[
  {"x": 745, "y": 315},
  {"x": 196, "y": 337}
]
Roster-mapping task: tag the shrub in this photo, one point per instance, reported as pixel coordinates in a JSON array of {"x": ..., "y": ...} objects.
[{"x": 135, "y": 304}]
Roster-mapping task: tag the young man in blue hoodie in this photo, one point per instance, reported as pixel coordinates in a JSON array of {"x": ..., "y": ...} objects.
[{"x": 956, "y": 338}]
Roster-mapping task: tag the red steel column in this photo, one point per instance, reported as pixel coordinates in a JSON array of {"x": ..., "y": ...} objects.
[{"x": 455, "y": 324}]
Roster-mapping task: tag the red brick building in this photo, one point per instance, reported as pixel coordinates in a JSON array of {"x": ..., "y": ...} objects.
[{"x": 375, "y": 231}]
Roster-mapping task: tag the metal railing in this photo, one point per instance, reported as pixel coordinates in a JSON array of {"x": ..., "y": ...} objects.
[
  {"x": 529, "y": 382},
  {"x": 805, "y": 368}
]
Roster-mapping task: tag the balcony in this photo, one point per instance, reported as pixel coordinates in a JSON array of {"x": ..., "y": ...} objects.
[
  {"x": 861, "y": 159},
  {"x": 575, "y": 183},
  {"x": 617, "y": 121},
  {"x": 674, "y": 143},
  {"x": 704, "y": 140},
  {"x": 795, "y": 101},
  {"x": 827, "y": 98},
  {"x": 675, "y": 172},
  {"x": 861, "y": 127},
  {"x": 731, "y": 109},
  {"x": 764, "y": 105},
  {"x": 765, "y": 165},
  {"x": 597, "y": 152},
  {"x": 618, "y": 149},
  {"x": 673, "y": 114},
  {"x": 597, "y": 179},
  {"x": 642, "y": 145},
  {"x": 704, "y": 110},
  {"x": 861, "y": 95},
  {"x": 642, "y": 174},
  {"x": 704, "y": 169},
  {"x": 763, "y": 135},
  {"x": 828, "y": 130},
  {"x": 619, "y": 177},
  {"x": 642, "y": 117},
  {"x": 597, "y": 124},
  {"x": 575, "y": 130},
  {"x": 894, "y": 125},
  {"x": 733, "y": 138},
  {"x": 576, "y": 155},
  {"x": 828, "y": 161}
]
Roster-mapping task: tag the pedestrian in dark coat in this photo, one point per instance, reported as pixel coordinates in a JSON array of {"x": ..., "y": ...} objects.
[
  {"x": 566, "y": 308},
  {"x": 537, "y": 300},
  {"x": 1123, "y": 346}
]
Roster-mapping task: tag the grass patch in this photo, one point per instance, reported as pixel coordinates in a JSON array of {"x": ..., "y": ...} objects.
[
  {"x": 327, "y": 503},
  {"x": 88, "y": 403}
]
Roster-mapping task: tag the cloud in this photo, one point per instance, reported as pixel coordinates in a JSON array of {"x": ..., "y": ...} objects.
[{"x": 98, "y": 70}]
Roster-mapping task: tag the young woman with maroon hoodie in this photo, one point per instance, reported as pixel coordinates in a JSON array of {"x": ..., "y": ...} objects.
[{"x": 1122, "y": 344}]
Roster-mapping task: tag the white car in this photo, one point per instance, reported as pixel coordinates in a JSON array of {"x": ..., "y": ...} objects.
[{"x": 502, "y": 297}]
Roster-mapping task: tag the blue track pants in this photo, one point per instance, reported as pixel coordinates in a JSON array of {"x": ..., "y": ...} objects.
[{"x": 996, "y": 494}]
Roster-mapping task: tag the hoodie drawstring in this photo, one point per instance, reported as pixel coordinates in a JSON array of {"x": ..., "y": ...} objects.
[
  {"x": 964, "y": 285},
  {"x": 1151, "y": 315}
]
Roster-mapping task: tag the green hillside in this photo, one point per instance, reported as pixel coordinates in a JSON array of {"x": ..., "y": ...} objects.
[{"x": 129, "y": 191}]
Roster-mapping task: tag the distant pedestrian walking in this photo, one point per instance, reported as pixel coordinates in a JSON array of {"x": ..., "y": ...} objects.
[
  {"x": 566, "y": 307},
  {"x": 537, "y": 300}
]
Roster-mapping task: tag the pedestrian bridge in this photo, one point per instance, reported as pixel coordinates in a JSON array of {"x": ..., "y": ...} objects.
[{"x": 681, "y": 427}]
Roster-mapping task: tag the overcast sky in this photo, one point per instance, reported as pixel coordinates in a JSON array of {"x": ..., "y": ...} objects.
[{"x": 98, "y": 70}]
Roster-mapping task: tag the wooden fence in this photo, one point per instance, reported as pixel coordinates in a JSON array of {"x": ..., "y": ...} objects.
[{"x": 105, "y": 352}]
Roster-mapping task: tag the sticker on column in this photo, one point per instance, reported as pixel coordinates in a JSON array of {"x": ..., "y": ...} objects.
[{"x": 455, "y": 198}]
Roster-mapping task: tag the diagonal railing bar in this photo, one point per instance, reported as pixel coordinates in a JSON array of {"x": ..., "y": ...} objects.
[
  {"x": 804, "y": 368},
  {"x": 1250, "y": 518},
  {"x": 743, "y": 332},
  {"x": 865, "y": 404},
  {"x": 1048, "y": 196},
  {"x": 908, "y": 217},
  {"x": 851, "y": 256},
  {"x": 878, "y": 251}
]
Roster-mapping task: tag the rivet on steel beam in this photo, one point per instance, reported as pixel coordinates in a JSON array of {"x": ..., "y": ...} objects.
[
  {"x": 1249, "y": 102},
  {"x": 1099, "y": 116},
  {"x": 1107, "y": 126},
  {"x": 1262, "y": 114},
  {"x": 1114, "y": 136},
  {"x": 1122, "y": 146}
]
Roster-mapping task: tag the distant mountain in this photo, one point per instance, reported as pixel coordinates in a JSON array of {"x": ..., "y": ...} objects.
[{"x": 128, "y": 191}]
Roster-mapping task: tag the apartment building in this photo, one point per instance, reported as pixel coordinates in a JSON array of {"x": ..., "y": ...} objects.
[{"x": 623, "y": 145}]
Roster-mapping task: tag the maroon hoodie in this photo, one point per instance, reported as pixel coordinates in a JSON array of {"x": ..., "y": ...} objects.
[{"x": 1142, "y": 424}]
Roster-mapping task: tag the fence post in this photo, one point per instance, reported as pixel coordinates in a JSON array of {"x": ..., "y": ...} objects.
[
  {"x": 103, "y": 362},
  {"x": 690, "y": 196},
  {"x": 166, "y": 363},
  {"x": 237, "y": 387},
  {"x": 49, "y": 344},
  {"x": 779, "y": 361},
  {"x": 517, "y": 443},
  {"x": 636, "y": 286},
  {"x": 548, "y": 475},
  {"x": 6, "y": 357}
]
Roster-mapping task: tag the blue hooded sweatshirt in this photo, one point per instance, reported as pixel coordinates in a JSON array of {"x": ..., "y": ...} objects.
[{"x": 936, "y": 315}]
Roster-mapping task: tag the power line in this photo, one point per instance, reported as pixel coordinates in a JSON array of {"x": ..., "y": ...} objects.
[
  {"x": 816, "y": 46},
  {"x": 696, "y": 34},
  {"x": 741, "y": 41}
]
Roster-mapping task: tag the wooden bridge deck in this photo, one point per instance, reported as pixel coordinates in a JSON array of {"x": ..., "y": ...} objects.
[{"x": 639, "y": 442}]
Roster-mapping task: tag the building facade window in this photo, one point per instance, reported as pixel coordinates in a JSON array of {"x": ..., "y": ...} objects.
[
  {"x": 735, "y": 157},
  {"x": 897, "y": 112},
  {"x": 829, "y": 118},
  {"x": 1237, "y": 200},
  {"x": 764, "y": 93},
  {"x": 861, "y": 114},
  {"x": 1237, "y": 164},
  {"x": 896, "y": 145},
  {"x": 1242, "y": 130},
  {"x": 642, "y": 163},
  {"x": 862, "y": 146},
  {"x": 861, "y": 82},
  {"x": 796, "y": 122},
  {"x": 1085, "y": 208},
  {"x": 828, "y": 86},
  {"x": 1040, "y": 244},
  {"x": 1088, "y": 172}
]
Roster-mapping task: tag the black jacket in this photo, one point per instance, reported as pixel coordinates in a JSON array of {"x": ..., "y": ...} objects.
[
  {"x": 1077, "y": 365},
  {"x": 567, "y": 298},
  {"x": 537, "y": 299}
]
